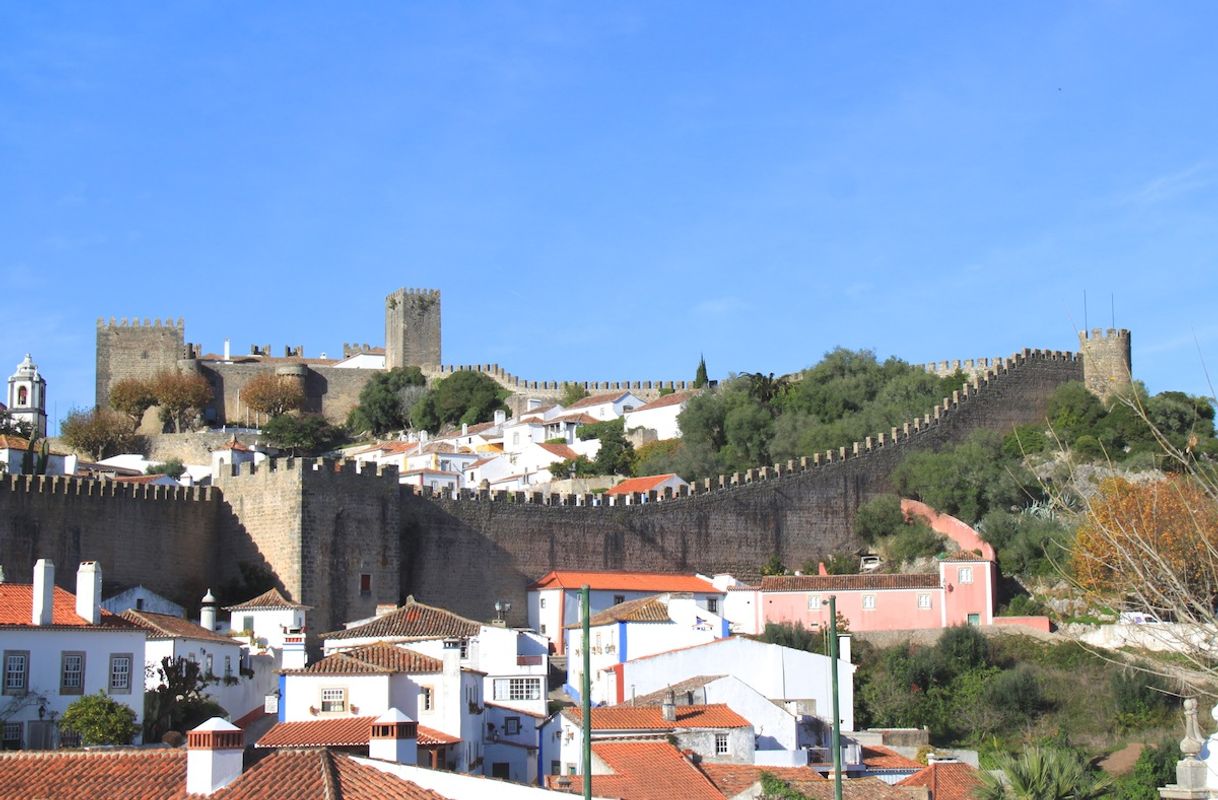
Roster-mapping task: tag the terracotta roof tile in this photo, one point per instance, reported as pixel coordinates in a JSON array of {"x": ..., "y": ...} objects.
[
  {"x": 267, "y": 600},
  {"x": 318, "y": 774},
  {"x": 650, "y": 718},
  {"x": 127, "y": 774},
  {"x": 625, "y": 581},
  {"x": 414, "y": 620},
  {"x": 948, "y": 781},
  {"x": 732, "y": 779},
  {"x": 340, "y": 732},
  {"x": 640, "y": 485},
  {"x": 667, "y": 400},
  {"x": 879, "y": 757},
  {"x": 597, "y": 399},
  {"x": 829, "y": 583},
  {"x": 17, "y": 607},
  {"x": 644, "y": 771},
  {"x": 578, "y": 419},
  {"x": 380, "y": 658},
  {"x": 165, "y": 626},
  {"x": 644, "y": 609},
  {"x": 681, "y": 687},
  {"x": 8, "y": 442},
  {"x": 561, "y": 450}
]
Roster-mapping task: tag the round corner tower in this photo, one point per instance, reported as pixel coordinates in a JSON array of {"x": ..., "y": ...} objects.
[
  {"x": 412, "y": 328},
  {"x": 1107, "y": 362}
]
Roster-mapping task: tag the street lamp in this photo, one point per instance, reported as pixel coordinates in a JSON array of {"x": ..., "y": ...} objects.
[{"x": 502, "y": 607}]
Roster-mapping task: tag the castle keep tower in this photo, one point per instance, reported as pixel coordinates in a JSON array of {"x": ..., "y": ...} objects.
[
  {"x": 1107, "y": 363},
  {"x": 412, "y": 328},
  {"x": 135, "y": 351}
]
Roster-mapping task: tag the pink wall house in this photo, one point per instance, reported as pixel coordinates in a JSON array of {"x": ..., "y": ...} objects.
[{"x": 961, "y": 593}]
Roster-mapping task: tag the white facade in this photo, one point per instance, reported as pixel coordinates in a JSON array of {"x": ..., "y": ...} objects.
[
  {"x": 238, "y": 694},
  {"x": 12, "y": 460},
  {"x": 607, "y": 406},
  {"x": 518, "y": 435},
  {"x": 660, "y": 416},
  {"x": 142, "y": 599},
  {"x": 27, "y": 401},
  {"x": 511, "y": 743},
  {"x": 363, "y": 361},
  {"x": 268, "y": 626}
]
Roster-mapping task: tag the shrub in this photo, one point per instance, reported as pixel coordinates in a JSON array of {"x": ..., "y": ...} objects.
[
  {"x": 879, "y": 517},
  {"x": 913, "y": 542},
  {"x": 99, "y": 719},
  {"x": 1016, "y": 692}
]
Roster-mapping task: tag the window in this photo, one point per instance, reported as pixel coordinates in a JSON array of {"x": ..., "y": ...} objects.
[
  {"x": 464, "y": 649},
  {"x": 555, "y": 767},
  {"x": 515, "y": 437},
  {"x": 618, "y": 599},
  {"x": 365, "y": 584},
  {"x": 518, "y": 688},
  {"x": 813, "y": 602},
  {"x": 333, "y": 700},
  {"x": 425, "y": 700},
  {"x": 139, "y": 604},
  {"x": 228, "y": 666},
  {"x": 511, "y": 726},
  {"x": 22, "y": 396},
  {"x": 120, "y": 673},
  {"x": 541, "y": 603},
  {"x": 712, "y": 605},
  {"x": 247, "y": 622},
  {"x": 924, "y": 601},
  {"x": 12, "y": 736},
  {"x": 720, "y": 744},
  {"x": 869, "y": 602},
  {"x": 72, "y": 673},
  {"x": 543, "y": 629},
  {"x": 966, "y": 574},
  {"x": 209, "y": 664},
  {"x": 16, "y": 671}
]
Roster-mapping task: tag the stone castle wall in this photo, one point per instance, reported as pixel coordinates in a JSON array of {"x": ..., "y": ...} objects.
[
  {"x": 1108, "y": 359},
  {"x": 134, "y": 350}
]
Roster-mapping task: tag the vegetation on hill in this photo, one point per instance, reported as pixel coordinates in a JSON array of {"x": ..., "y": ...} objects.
[{"x": 386, "y": 400}]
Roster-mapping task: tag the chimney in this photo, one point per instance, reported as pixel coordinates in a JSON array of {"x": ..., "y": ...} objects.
[
  {"x": 465, "y": 429},
  {"x": 227, "y": 351},
  {"x": 207, "y": 613},
  {"x": 500, "y": 417},
  {"x": 820, "y": 568},
  {"x": 43, "y": 600},
  {"x": 668, "y": 709},
  {"x": 88, "y": 591},
  {"x": 214, "y": 754},
  {"x": 293, "y": 655},
  {"x": 394, "y": 738},
  {"x": 843, "y": 647}
]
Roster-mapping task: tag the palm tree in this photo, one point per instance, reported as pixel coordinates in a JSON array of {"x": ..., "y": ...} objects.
[{"x": 1043, "y": 774}]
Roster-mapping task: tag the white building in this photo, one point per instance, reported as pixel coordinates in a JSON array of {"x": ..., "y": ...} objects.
[
  {"x": 554, "y": 597},
  {"x": 607, "y": 406},
  {"x": 141, "y": 598},
  {"x": 660, "y": 415},
  {"x": 13, "y": 453},
  {"x": 645, "y": 485},
  {"x": 58, "y": 647},
  {"x": 27, "y": 397},
  {"x": 269, "y": 618},
  {"x": 635, "y": 629}
]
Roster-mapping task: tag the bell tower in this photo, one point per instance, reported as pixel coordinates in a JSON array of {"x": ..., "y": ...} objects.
[{"x": 27, "y": 397}]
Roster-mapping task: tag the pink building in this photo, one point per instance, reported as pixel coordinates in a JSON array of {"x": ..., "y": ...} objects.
[{"x": 961, "y": 593}]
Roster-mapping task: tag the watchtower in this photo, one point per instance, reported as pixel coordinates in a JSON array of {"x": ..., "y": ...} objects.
[
  {"x": 412, "y": 328},
  {"x": 1107, "y": 362},
  {"x": 128, "y": 349}
]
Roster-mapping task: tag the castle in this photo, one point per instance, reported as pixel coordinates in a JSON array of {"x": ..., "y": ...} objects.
[{"x": 345, "y": 540}]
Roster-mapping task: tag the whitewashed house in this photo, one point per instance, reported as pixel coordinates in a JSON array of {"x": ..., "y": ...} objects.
[
  {"x": 660, "y": 415},
  {"x": 644, "y": 485},
  {"x": 13, "y": 451},
  {"x": 269, "y": 619},
  {"x": 607, "y": 406},
  {"x": 142, "y": 598},
  {"x": 56, "y": 647}
]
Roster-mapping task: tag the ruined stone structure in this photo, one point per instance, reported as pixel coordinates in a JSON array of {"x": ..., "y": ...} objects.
[{"x": 319, "y": 525}]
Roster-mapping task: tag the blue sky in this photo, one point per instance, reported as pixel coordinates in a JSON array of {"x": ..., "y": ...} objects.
[{"x": 604, "y": 191}]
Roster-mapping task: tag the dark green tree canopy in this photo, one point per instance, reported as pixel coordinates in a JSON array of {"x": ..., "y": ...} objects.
[
  {"x": 461, "y": 398},
  {"x": 386, "y": 400}
]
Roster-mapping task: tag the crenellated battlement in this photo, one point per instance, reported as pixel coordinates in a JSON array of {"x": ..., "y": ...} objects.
[
  {"x": 93, "y": 487},
  {"x": 134, "y": 322},
  {"x": 321, "y": 467},
  {"x": 977, "y": 366},
  {"x": 1117, "y": 334},
  {"x": 515, "y": 383},
  {"x": 355, "y": 348}
]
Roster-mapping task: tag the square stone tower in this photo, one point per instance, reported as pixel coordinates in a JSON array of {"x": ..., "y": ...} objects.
[
  {"x": 131, "y": 350},
  {"x": 412, "y": 328},
  {"x": 1107, "y": 361}
]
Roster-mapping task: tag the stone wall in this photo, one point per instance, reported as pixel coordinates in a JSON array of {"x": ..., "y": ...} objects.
[
  {"x": 330, "y": 391},
  {"x": 1108, "y": 359},
  {"x": 412, "y": 328},
  {"x": 134, "y": 350}
]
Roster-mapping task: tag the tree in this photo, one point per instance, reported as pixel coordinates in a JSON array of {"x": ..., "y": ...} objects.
[
  {"x": 100, "y": 720},
  {"x": 386, "y": 400},
  {"x": 11, "y": 426},
  {"x": 1043, "y": 774},
  {"x": 173, "y": 468},
  {"x": 700, "y": 379},
  {"x": 306, "y": 434},
  {"x": 616, "y": 455},
  {"x": 133, "y": 397},
  {"x": 462, "y": 398},
  {"x": 271, "y": 394},
  {"x": 180, "y": 702},
  {"x": 180, "y": 395},
  {"x": 100, "y": 432},
  {"x": 571, "y": 393},
  {"x": 879, "y": 517}
]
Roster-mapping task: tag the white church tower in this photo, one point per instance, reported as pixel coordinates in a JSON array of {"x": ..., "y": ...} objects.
[{"x": 27, "y": 396}]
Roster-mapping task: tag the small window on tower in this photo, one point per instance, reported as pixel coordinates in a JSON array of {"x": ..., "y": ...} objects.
[
  {"x": 22, "y": 396},
  {"x": 365, "y": 584}
]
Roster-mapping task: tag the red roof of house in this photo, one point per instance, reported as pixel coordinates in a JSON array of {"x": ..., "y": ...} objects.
[
  {"x": 948, "y": 781},
  {"x": 829, "y": 583},
  {"x": 17, "y": 608},
  {"x": 8, "y": 442},
  {"x": 414, "y": 620},
  {"x": 233, "y": 444},
  {"x": 596, "y": 400},
  {"x": 318, "y": 774},
  {"x": 732, "y": 779},
  {"x": 379, "y": 658},
  {"x": 650, "y": 718},
  {"x": 642, "y": 485},
  {"x": 879, "y": 757},
  {"x": 625, "y": 581},
  {"x": 644, "y": 771},
  {"x": 340, "y": 732},
  {"x": 644, "y": 609},
  {"x": 165, "y": 626},
  {"x": 664, "y": 401},
  {"x": 561, "y": 450},
  {"x": 272, "y": 599}
]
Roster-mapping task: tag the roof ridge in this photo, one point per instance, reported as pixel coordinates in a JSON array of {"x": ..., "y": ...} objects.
[{"x": 330, "y": 776}]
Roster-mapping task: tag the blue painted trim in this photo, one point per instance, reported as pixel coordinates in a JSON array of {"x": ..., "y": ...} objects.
[
  {"x": 725, "y": 631},
  {"x": 283, "y": 698},
  {"x": 621, "y": 642},
  {"x": 541, "y": 779},
  {"x": 571, "y": 690}
]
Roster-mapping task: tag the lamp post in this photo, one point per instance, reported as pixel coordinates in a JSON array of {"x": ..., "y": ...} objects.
[
  {"x": 837, "y": 714},
  {"x": 502, "y": 607}
]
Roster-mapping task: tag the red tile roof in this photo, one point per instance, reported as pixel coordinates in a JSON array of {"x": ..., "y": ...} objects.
[
  {"x": 164, "y": 626},
  {"x": 14, "y": 443},
  {"x": 578, "y": 419},
  {"x": 650, "y": 718},
  {"x": 597, "y": 399},
  {"x": 947, "y": 781},
  {"x": 340, "y": 732},
  {"x": 644, "y": 771},
  {"x": 679, "y": 688},
  {"x": 318, "y": 774},
  {"x": 380, "y": 658},
  {"x": 625, "y": 581},
  {"x": 414, "y": 620},
  {"x": 561, "y": 450},
  {"x": 233, "y": 444},
  {"x": 879, "y": 757},
  {"x": 17, "y": 607},
  {"x": 829, "y": 583},
  {"x": 732, "y": 779},
  {"x": 127, "y": 774},
  {"x": 667, "y": 400},
  {"x": 641, "y": 485},
  {"x": 272, "y": 599},
  {"x": 645, "y": 609}
]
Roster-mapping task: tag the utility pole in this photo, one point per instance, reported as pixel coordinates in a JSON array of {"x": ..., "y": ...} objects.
[
  {"x": 837, "y": 714},
  {"x": 585, "y": 693}
]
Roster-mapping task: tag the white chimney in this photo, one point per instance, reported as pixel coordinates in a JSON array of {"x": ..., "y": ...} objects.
[
  {"x": 394, "y": 738},
  {"x": 294, "y": 655},
  {"x": 465, "y": 429},
  {"x": 214, "y": 754},
  {"x": 500, "y": 417},
  {"x": 88, "y": 591},
  {"x": 207, "y": 612},
  {"x": 668, "y": 709},
  {"x": 44, "y": 592},
  {"x": 227, "y": 351},
  {"x": 843, "y": 647}
]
